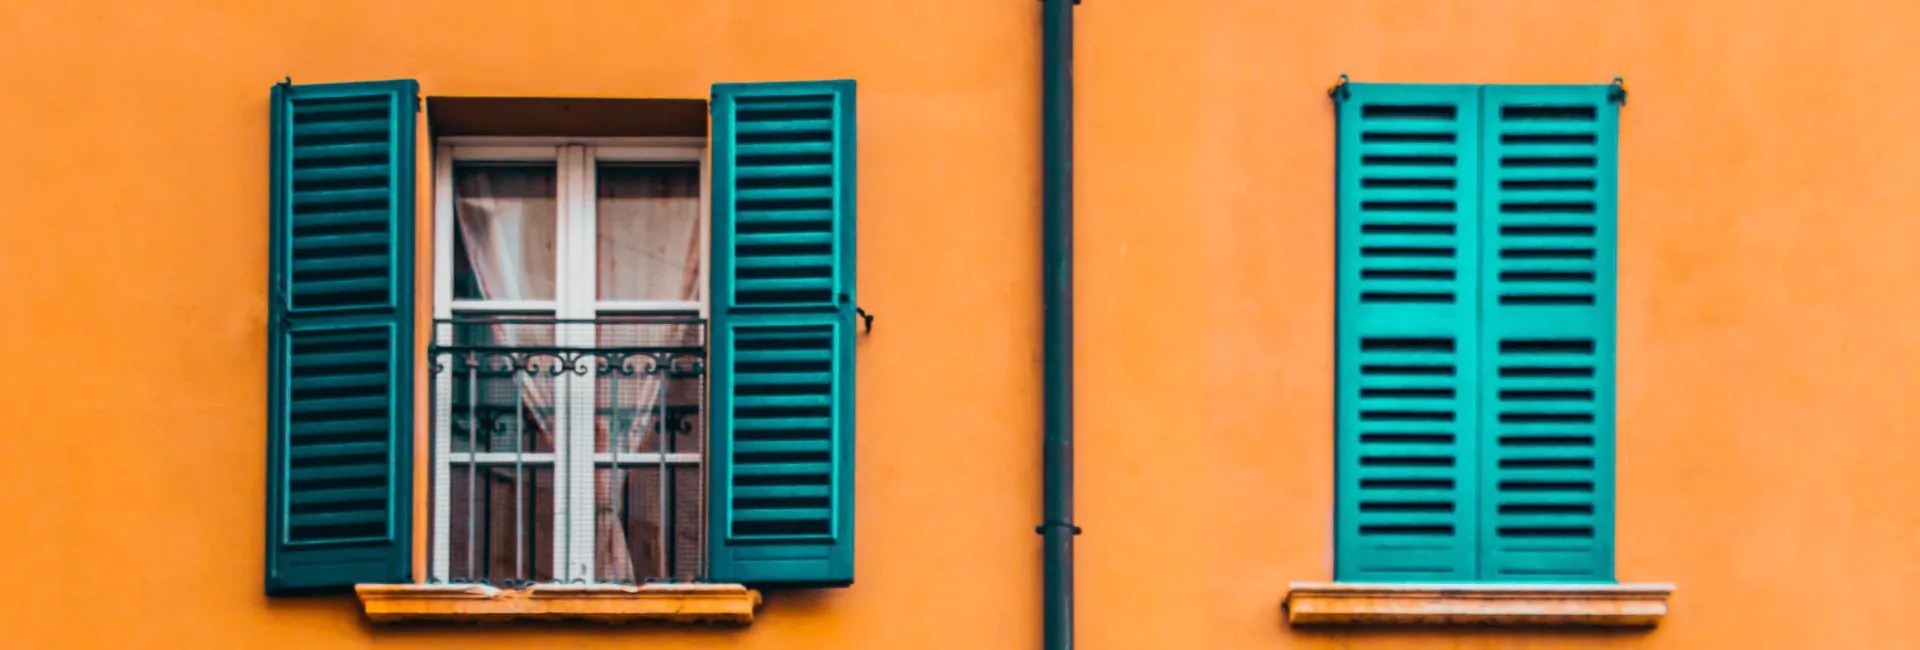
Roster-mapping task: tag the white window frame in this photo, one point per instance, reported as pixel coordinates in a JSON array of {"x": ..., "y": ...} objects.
[{"x": 575, "y": 298}]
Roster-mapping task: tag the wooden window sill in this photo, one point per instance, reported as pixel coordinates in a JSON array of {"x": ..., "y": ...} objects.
[
  {"x": 1624, "y": 605},
  {"x": 670, "y": 603}
]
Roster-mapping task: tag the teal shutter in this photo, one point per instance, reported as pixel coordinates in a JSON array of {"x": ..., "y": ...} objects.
[
  {"x": 340, "y": 336},
  {"x": 1408, "y": 350},
  {"x": 1547, "y": 338},
  {"x": 783, "y": 326}
]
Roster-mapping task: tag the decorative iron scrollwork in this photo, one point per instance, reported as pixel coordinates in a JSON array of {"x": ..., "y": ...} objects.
[{"x": 500, "y": 362}]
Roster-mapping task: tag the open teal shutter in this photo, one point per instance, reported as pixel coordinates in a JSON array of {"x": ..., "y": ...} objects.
[
  {"x": 1548, "y": 337},
  {"x": 783, "y": 326},
  {"x": 1408, "y": 350},
  {"x": 340, "y": 336}
]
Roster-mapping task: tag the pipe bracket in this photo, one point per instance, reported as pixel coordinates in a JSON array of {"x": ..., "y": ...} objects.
[{"x": 1042, "y": 528}]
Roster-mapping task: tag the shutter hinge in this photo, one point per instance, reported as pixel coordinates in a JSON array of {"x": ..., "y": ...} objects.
[
  {"x": 847, "y": 301},
  {"x": 1617, "y": 93},
  {"x": 287, "y": 83},
  {"x": 276, "y": 305},
  {"x": 1042, "y": 528},
  {"x": 1340, "y": 92}
]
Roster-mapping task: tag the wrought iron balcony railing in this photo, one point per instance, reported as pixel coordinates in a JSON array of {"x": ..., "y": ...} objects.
[{"x": 568, "y": 450}]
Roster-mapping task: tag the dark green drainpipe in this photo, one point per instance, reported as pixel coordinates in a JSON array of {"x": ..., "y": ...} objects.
[{"x": 1056, "y": 268}]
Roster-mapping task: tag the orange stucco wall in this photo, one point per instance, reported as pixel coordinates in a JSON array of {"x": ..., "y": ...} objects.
[{"x": 1767, "y": 459}]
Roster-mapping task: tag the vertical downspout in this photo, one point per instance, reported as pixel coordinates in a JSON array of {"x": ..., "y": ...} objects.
[{"x": 1056, "y": 268}]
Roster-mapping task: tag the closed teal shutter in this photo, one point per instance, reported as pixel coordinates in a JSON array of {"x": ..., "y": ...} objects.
[
  {"x": 340, "y": 336},
  {"x": 783, "y": 326},
  {"x": 1547, "y": 337},
  {"x": 1408, "y": 350}
]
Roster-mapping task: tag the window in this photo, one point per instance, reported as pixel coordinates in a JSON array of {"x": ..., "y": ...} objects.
[
  {"x": 641, "y": 365},
  {"x": 569, "y": 384},
  {"x": 1475, "y": 333}
]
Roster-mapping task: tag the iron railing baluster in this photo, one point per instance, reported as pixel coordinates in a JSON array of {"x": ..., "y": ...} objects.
[{"x": 665, "y": 349}]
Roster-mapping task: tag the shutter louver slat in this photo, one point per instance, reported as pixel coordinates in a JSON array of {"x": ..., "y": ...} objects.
[
  {"x": 782, "y": 357},
  {"x": 1407, "y": 349},
  {"x": 1549, "y": 232},
  {"x": 782, "y": 164},
  {"x": 340, "y": 396},
  {"x": 783, "y": 407}
]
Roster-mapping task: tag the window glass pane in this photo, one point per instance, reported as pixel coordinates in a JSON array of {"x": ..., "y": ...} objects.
[
  {"x": 503, "y": 397},
  {"x": 505, "y": 231},
  {"x": 501, "y": 524},
  {"x": 651, "y": 384},
  {"x": 648, "y": 219},
  {"x": 633, "y": 546}
]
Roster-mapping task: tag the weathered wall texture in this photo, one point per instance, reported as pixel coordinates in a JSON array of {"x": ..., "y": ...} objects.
[{"x": 1767, "y": 299}]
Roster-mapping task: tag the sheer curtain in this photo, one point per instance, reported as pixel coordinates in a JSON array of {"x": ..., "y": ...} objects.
[
  {"x": 506, "y": 236},
  {"x": 648, "y": 248},
  {"x": 507, "y": 223},
  {"x": 648, "y": 234}
]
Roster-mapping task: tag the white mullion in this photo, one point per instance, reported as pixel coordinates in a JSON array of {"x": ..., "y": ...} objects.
[
  {"x": 443, "y": 233},
  {"x": 637, "y": 458},
  {"x": 563, "y": 384},
  {"x": 648, "y": 153},
  {"x": 578, "y": 544},
  {"x": 706, "y": 316},
  {"x": 576, "y": 304},
  {"x": 504, "y": 153},
  {"x": 544, "y": 306},
  {"x": 643, "y": 306},
  {"x": 706, "y": 233},
  {"x": 565, "y": 177},
  {"x": 440, "y": 561},
  {"x": 502, "y": 458},
  {"x": 517, "y": 142},
  {"x": 442, "y": 460},
  {"x": 587, "y": 250},
  {"x": 581, "y": 261}
]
